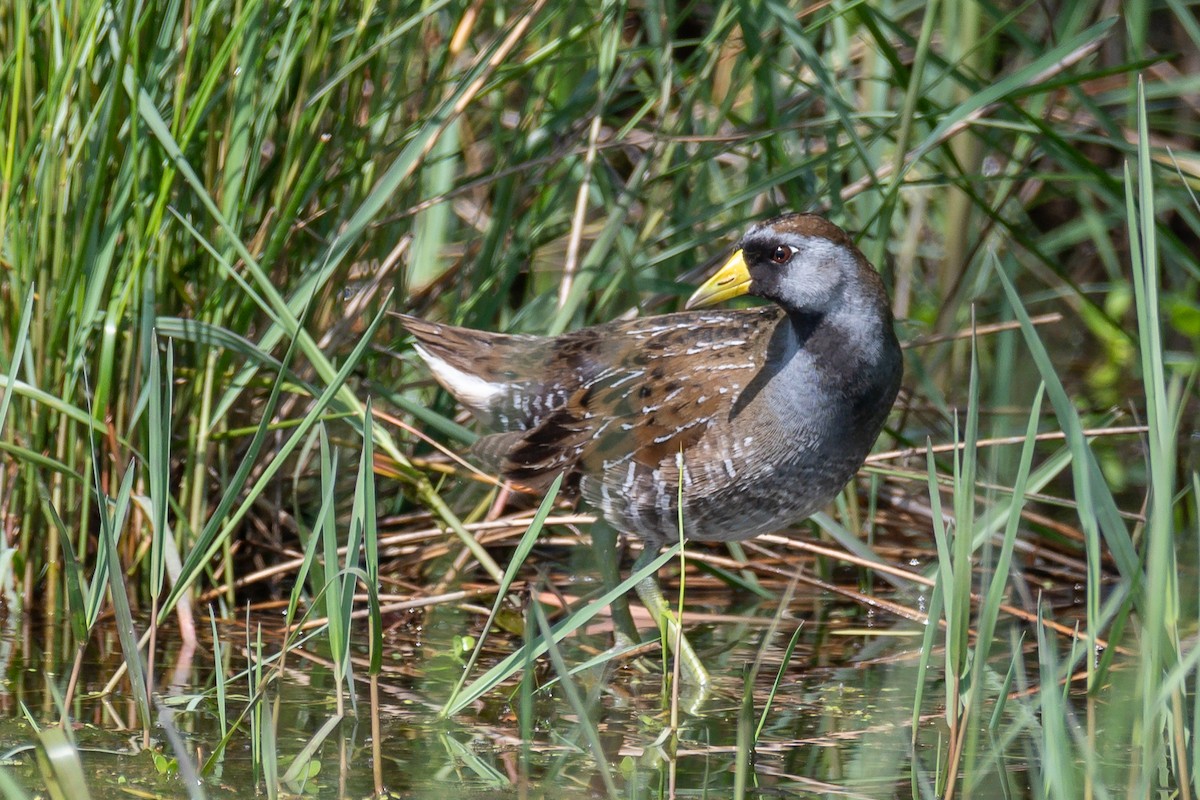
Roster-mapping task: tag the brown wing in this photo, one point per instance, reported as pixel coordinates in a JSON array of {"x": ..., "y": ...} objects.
[
  {"x": 505, "y": 380},
  {"x": 649, "y": 389}
]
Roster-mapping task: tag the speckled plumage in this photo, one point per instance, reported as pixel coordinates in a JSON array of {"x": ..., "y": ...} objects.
[{"x": 770, "y": 410}]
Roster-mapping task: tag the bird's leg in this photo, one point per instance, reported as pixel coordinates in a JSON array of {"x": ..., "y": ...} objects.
[
  {"x": 604, "y": 544},
  {"x": 691, "y": 668}
]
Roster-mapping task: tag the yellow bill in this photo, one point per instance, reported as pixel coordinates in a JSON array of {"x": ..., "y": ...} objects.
[{"x": 731, "y": 280}]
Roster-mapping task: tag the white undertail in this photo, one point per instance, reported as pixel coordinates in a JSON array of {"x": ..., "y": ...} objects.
[{"x": 471, "y": 390}]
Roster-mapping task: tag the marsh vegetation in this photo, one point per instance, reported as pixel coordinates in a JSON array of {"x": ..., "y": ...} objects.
[{"x": 237, "y": 549}]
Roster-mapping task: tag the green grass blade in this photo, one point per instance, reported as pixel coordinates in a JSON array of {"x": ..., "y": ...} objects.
[
  {"x": 60, "y": 765},
  {"x": 523, "y": 548},
  {"x": 958, "y": 630},
  {"x": 509, "y": 665},
  {"x": 1098, "y": 510},
  {"x": 220, "y": 688},
  {"x": 1057, "y": 764},
  {"x": 112, "y": 523},
  {"x": 1162, "y": 601},
  {"x": 17, "y": 356},
  {"x": 219, "y": 526},
  {"x": 779, "y": 676},
  {"x": 575, "y": 701},
  {"x": 73, "y": 573},
  {"x": 158, "y": 445},
  {"x": 989, "y": 611},
  {"x": 364, "y": 525}
]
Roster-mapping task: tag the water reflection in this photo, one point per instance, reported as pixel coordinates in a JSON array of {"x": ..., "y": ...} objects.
[{"x": 840, "y": 721}]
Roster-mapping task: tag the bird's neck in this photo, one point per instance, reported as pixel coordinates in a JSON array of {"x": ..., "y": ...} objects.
[
  {"x": 803, "y": 324},
  {"x": 844, "y": 340}
]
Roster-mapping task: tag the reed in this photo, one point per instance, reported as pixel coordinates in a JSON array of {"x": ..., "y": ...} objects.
[{"x": 207, "y": 209}]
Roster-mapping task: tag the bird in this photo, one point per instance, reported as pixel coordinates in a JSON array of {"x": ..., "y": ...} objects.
[{"x": 751, "y": 418}]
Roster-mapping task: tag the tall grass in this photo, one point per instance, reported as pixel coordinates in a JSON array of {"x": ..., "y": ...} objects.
[{"x": 206, "y": 209}]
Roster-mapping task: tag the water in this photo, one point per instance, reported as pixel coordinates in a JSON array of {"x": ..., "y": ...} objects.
[{"x": 839, "y": 723}]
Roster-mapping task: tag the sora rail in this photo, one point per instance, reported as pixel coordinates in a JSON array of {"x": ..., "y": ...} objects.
[{"x": 767, "y": 411}]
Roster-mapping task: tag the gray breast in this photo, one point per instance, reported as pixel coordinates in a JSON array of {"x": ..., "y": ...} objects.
[{"x": 792, "y": 442}]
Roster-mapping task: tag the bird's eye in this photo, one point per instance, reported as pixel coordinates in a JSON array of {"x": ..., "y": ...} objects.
[{"x": 782, "y": 254}]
